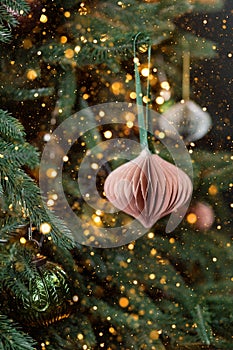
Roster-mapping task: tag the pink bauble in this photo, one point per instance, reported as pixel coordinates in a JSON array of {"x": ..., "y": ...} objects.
[
  {"x": 205, "y": 215},
  {"x": 148, "y": 188}
]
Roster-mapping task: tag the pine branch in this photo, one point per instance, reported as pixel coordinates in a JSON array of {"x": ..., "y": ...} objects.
[
  {"x": 26, "y": 94},
  {"x": 9, "y": 10},
  {"x": 17, "y": 6},
  {"x": 5, "y": 34},
  {"x": 12, "y": 155},
  {"x": 12, "y": 338},
  {"x": 10, "y": 128}
]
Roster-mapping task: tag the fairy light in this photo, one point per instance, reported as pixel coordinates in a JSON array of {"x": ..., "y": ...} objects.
[
  {"x": 63, "y": 39},
  {"x": 154, "y": 335},
  {"x": 108, "y": 134},
  {"x": 129, "y": 124},
  {"x": 191, "y": 218},
  {"x": 131, "y": 246},
  {"x": 67, "y": 14},
  {"x": 133, "y": 95},
  {"x": 45, "y": 228},
  {"x": 43, "y": 18},
  {"x": 69, "y": 53},
  {"x": 32, "y": 74},
  {"x": 94, "y": 166},
  {"x": 159, "y": 100},
  {"x": 77, "y": 49},
  {"x": 22, "y": 240},
  {"x": 153, "y": 252},
  {"x": 151, "y": 235},
  {"x": 51, "y": 173},
  {"x": 212, "y": 190},
  {"x": 50, "y": 202},
  {"x": 165, "y": 85},
  {"x": 152, "y": 276},
  {"x": 145, "y": 72},
  {"x": 123, "y": 302}
]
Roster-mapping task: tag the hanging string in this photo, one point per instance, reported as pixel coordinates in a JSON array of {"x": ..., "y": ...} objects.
[
  {"x": 141, "y": 119},
  {"x": 31, "y": 239},
  {"x": 186, "y": 72},
  {"x": 148, "y": 88}
]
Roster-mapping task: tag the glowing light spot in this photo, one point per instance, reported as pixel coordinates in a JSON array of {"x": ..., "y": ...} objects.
[
  {"x": 77, "y": 49},
  {"x": 112, "y": 330},
  {"x": 67, "y": 14},
  {"x": 161, "y": 135},
  {"x": 50, "y": 202},
  {"x": 131, "y": 246},
  {"x": 129, "y": 124},
  {"x": 133, "y": 95},
  {"x": 51, "y": 173},
  {"x": 124, "y": 302},
  {"x": 65, "y": 159},
  {"x": 146, "y": 99},
  {"x": 165, "y": 85},
  {"x": 22, "y": 240},
  {"x": 63, "y": 39},
  {"x": 27, "y": 43},
  {"x": 45, "y": 228},
  {"x": 80, "y": 336},
  {"x": 69, "y": 53},
  {"x": 152, "y": 276},
  {"x": 108, "y": 134},
  {"x": 117, "y": 88},
  {"x": 151, "y": 235},
  {"x": 46, "y": 137},
  {"x": 213, "y": 190},
  {"x": 163, "y": 280},
  {"x": 159, "y": 100},
  {"x": 101, "y": 114},
  {"x": 97, "y": 219},
  {"x": 145, "y": 72},
  {"x": 154, "y": 335},
  {"x": 43, "y": 18},
  {"x": 32, "y": 74},
  {"x": 86, "y": 96},
  {"x": 191, "y": 218},
  {"x": 94, "y": 166},
  {"x": 153, "y": 251}
]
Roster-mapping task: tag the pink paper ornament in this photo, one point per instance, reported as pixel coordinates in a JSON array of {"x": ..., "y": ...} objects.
[
  {"x": 148, "y": 188},
  {"x": 205, "y": 216}
]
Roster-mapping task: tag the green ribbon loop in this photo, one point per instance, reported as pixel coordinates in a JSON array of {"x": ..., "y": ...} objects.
[{"x": 142, "y": 120}]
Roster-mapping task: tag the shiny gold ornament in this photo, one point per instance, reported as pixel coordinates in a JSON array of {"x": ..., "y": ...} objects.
[{"x": 48, "y": 296}]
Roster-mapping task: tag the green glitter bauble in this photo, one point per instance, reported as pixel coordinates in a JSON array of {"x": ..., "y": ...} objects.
[{"x": 48, "y": 297}]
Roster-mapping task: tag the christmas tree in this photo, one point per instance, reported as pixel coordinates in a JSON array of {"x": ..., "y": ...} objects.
[{"x": 85, "y": 87}]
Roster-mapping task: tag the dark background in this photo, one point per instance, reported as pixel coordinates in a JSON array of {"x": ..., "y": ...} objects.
[{"x": 214, "y": 88}]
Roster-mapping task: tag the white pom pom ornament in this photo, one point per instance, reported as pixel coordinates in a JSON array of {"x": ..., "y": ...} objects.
[{"x": 188, "y": 118}]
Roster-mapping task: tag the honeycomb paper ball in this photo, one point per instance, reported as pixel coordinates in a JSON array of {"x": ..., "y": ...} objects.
[{"x": 148, "y": 188}]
